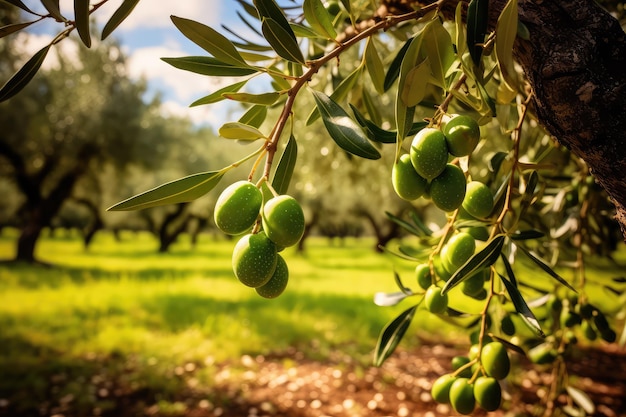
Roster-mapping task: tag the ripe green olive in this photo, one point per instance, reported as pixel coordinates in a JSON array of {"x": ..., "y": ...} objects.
[
  {"x": 254, "y": 259},
  {"x": 459, "y": 361},
  {"x": 462, "y": 134},
  {"x": 434, "y": 301},
  {"x": 462, "y": 396},
  {"x": 473, "y": 285},
  {"x": 507, "y": 326},
  {"x": 447, "y": 190},
  {"x": 488, "y": 393},
  {"x": 407, "y": 183},
  {"x": 478, "y": 200},
  {"x": 542, "y": 354},
  {"x": 429, "y": 153},
  {"x": 238, "y": 207},
  {"x": 458, "y": 250},
  {"x": 424, "y": 278},
  {"x": 495, "y": 360},
  {"x": 440, "y": 390},
  {"x": 283, "y": 220},
  {"x": 277, "y": 282}
]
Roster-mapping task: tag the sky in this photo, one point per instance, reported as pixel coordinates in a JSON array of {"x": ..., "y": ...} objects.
[{"x": 147, "y": 35}]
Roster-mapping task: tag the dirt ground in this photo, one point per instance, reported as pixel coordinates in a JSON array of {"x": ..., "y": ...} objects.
[{"x": 288, "y": 385}]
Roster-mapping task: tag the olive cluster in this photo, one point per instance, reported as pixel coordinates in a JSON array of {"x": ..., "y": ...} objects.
[
  {"x": 425, "y": 170},
  {"x": 474, "y": 380},
  {"x": 256, "y": 260}
]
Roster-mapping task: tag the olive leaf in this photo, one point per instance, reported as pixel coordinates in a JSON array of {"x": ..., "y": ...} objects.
[
  {"x": 81, "y": 20},
  {"x": 52, "y": 6},
  {"x": 286, "y": 165},
  {"x": 210, "y": 40},
  {"x": 545, "y": 267},
  {"x": 20, "y": 4},
  {"x": 374, "y": 66},
  {"x": 280, "y": 40},
  {"x": 264, "y": 99},
  {"x": 438, "y": 47},
  {"x": 218, "y": 95},
  {"x": 22, "y": 77},
  {"x": 521, "y": 307},
  {"x": 342, "y": 129},
  {"x": 506, "y": 31},
  {"x": 388, "y": 299},
  {"x": 269, "y": 9},
  {"x": 239, "y": 131},
  {"x": 394, "y": 68},
  {"x": 254, "y": 116},
  {"x": 206, "y": 65},
  {"x": 118, "y": 17},
  {"x": 582, "y": 399},
  {"x": 339, "y": 93},
  {"x": 477, "y": 20},
  {"x": 414, "y": 85},
  {"x": 486, "y": 257},
  {"x": 392, "y": 334},
  {"x": 318, "y": 17},
  {"x": 178, "y": 191},
  {"x": 15, "y": 27}
]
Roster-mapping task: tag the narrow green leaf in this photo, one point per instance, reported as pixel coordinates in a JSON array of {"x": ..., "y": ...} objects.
[
  {"x": 438, "y": 47},
  {"x": 375, "y": 133},
  {"x": 415, "y": 82},
  {"x": 302, "y": 31},
  {"x": 509, "y": 269},
  {"x": 394, "y": 68},
  {"x": 286, "y": 165},
  {"x": 255, "y": 116},
  {"x": 81, "y": 19},
  {"x": 400, "y": 284},
  {"x": 388, "y": 299},
  {"x": 15, "y": 27},
  {"x": 582, "y": 399},
  {"x": 239, "y": 131},
  {"x": 52, "y": 6},
  {"x": 404, "y": 224},
  {"x": 206, "y": 65},
  {"x": 461, "y": 40},
  {"x": 477, "y": 20},
  {"x": 285, "y": 46},
  {"x": 22, "y": 77},
  {"x": 269, "y": 9},
  {"x": 210, "y": 40},
  {"x": 374, "y": 66},
  {"x": 342, "y": 90},
  {"x": 346, "y": 4},
  {"x": 546, "y": 268},
  {"x": 342, "y": 129},
  {"x": 264, "y": 99},
  {"x": 182, "y": 190},
  {"x": 521, "y": 307},
  {"x": 118, "y": 17},
  {"x": 392, "y": 334},
  {"x": 249, "y": 8},
  {"x": 21, "y": 5},
  {"x": 218, "y": 95},
  {"x": 506, "y": 31},
  {"x": 372, "y": 107},
  {"x": 318, "y": 17},
  {"x": 404, "y": 114},
  {"x": 420, "y": 224},
  {"x": 478, "y": 261}
]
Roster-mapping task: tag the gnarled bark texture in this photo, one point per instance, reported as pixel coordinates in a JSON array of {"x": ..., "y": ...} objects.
[{"x": 575, "y": 62}]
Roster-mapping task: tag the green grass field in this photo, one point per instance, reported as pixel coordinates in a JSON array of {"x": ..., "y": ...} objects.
[{"x": 122, "y": 312}]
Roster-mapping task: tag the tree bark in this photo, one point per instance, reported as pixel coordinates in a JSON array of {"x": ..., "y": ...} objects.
[{"x": 575, "y": 63}]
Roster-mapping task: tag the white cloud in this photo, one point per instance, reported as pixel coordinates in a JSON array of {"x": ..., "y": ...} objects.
[{"x": 155, "y": 14}]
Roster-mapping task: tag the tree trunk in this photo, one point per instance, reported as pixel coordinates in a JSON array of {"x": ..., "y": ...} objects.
[
  {"x": 27, "y": 241},
  {"x": 574, "y": 60},
  {"x": 168, "y": 235}
]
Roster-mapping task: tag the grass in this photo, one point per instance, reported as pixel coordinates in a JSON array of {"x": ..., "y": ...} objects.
[{"x": 120, "y": 312}]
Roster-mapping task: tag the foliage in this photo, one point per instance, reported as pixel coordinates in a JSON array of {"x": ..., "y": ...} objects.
[{"x": 546, "y": 208}]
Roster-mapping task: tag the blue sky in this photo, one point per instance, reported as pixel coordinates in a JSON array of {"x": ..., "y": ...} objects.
[{"x": 147, "y": 35}]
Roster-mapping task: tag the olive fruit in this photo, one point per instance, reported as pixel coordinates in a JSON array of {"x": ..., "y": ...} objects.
[
  {"x": 507, "y": 326},
  {"x": 458, "y": 362},
  {"x": 440, "y": 390},
  {"x": 447, "y": 190},
  {"x": 422, "y": 273},
  {"x": 608, "y": 335},
  {"x": 277, "y": 282},
  {"x": 407, "y": 183},
  {"x": 238, "y": 207},
  {"x": 462, "y": 134},
  {"x": 440, "y": 269},
  {"x": 474, "y": 285},
  {"x": 434, "y": 301},
  {"x": 429, "y": 153},
  {"x": 283, "y": 220},
  {"x": 478, "y": 200},
  {"x": 588, "y": 330},
  {"x": 495, "y": 360},
  {"x": 254, "y": 259},
  {"x": 487, "y": 393},
  {"x": 570, "y": 318},
  {"x": 462, "y": 396},
  {"x": 458, "y": 250}
]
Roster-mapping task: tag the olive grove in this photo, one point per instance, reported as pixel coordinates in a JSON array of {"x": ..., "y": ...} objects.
[{"x": 500, "y": 123}]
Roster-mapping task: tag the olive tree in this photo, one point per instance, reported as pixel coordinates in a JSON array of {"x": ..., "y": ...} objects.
[{"x": 504, "y": 116}]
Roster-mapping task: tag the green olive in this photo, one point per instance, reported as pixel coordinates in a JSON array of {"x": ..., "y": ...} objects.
[
  {"x": 238, "y": 207},
  {"x": 254, "y": 259},
  {"x": 447, "y": 190},
  {"x": 429, "y": 153}
]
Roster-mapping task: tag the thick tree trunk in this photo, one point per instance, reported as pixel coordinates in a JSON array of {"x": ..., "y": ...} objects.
[
  {"x": 168, "y": 233},
  {"x": 575, "y": 62},
  {"x": 27, "y": 241}
]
